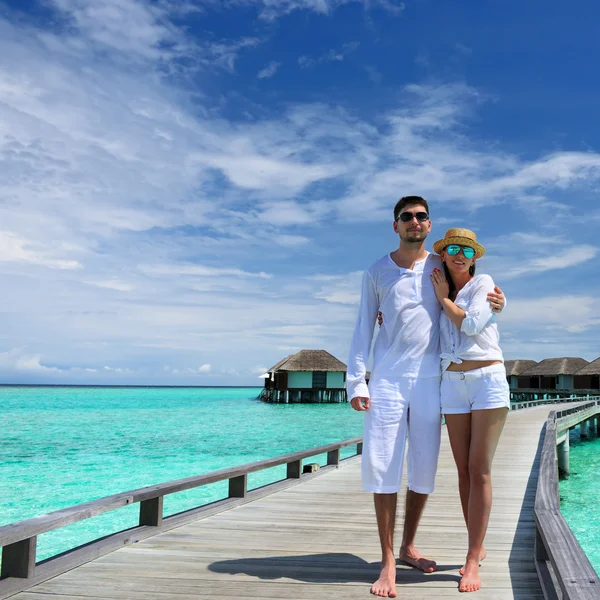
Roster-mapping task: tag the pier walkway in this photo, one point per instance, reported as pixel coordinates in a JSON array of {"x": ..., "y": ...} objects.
[{"x": 318, "y": 540}]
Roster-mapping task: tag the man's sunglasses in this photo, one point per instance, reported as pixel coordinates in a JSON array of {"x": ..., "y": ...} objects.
[
  {"x": 405, "y": 217},
  {"x": 454, "y": 249}
]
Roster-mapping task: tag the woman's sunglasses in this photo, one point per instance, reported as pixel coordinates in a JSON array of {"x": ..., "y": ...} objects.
[
  {"x": 454, "y": 249},
  {"x": 405, "y": 217}
]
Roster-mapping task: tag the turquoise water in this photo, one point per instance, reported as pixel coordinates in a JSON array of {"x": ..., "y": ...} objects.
[
  {"x": 580, "y": 495},
  {"x": 61, "y": 446}
]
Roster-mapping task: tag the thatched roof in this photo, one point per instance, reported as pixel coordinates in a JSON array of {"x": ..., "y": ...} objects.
[
  {"x": 309, "y": 360},
  {"x": 557, "y": 366},
  {"x": 592, "y": 368},
  {"x": 516, "y": 367}
]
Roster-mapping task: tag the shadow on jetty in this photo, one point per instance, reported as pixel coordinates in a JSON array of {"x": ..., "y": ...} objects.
[{"x": 333, "y": 567}]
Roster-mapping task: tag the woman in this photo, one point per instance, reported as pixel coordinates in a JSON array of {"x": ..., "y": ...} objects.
[{"x": 475, "y": 395}]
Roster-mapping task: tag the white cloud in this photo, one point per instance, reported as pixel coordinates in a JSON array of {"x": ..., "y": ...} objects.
[
  {"x": 284, "y": 213},
  {"x": 120, "y": 286},
  {"x": 332, "y": 56},
  {"x": 562, "y": 259},
  {"x": 571, "y": 313},
  {"x": 274, "y": 9},
  {"x": 269, "y": 70},
  {"x": 108, "y": 369},
  {"x": 133, "y": 28},
  {"x": 247, "y": 169},
  {"x": 200, "y": 271},
  {"x": 291, "y": 241},
  {"x": 530, "y": 253},
  {"x": 17, "y": 360},
  {"x": 189, "y": 371},
  {"x": 340, "y": 289},
  {"x": 14, "y": 248},
  {"x": 225, "y": 53}
]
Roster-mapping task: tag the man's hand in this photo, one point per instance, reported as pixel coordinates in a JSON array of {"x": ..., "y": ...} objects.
[
  {"x": 496, "y": 300},
  {"x": 360, "y": 403}
]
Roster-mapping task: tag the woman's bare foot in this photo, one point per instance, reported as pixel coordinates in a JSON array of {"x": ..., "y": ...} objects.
[
  {"x": 482, "y": 556},
  {"x": 470, "y": 581},
  {"x": 385, "y": 586},
  {"x": 414, "y": 558}
]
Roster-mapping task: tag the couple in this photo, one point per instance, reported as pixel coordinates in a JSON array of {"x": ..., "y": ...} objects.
[{"x": 430, "y": 308}]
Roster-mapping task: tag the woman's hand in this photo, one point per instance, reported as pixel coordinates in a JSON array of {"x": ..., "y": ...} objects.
[
  {"x": 496, "y": 300},
  {"x": 440, "y": 285}
]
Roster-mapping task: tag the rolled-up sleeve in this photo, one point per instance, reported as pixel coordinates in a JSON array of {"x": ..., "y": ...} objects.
[
  {"x": 360, "y": 347},
  {"x": 479, "y": 310}
]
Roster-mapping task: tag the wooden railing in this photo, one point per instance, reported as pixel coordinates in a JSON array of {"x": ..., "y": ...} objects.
[
  {"x": 516, "y": 405},
  {"x": 564, "y": 570},
  {"x": 19, "y": 540}
]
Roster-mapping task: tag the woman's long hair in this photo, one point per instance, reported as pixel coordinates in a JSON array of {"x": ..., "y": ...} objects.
[{"x": 449, "y": 277}]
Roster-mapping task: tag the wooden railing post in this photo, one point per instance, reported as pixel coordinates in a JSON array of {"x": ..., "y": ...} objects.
[
  {"x": 151, "y": 511},
  {"x": 18, "y": 559},
  {"x": 333, "y": 457},
  {"x": 238, "y": 486},
  {"x": 294, "y": 469}
]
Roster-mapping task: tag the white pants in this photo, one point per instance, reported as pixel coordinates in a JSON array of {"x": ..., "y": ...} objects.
[
  {"x": 405, "y": 408},
  {"x": 478, "y": 389}
]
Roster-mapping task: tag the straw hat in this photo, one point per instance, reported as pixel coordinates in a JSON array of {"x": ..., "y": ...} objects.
[{"x": 463, "y": 237}]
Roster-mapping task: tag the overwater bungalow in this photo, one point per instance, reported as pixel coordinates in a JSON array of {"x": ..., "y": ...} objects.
[
  {"x": 514, "y": 368},
  {"x": 307, "y": 376},
  {"x": 555, "y": 373},
  {"x": 589, "y": 376}
]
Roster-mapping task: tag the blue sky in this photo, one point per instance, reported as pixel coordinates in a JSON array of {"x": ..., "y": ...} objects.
[{"x": 190, "y": 190}]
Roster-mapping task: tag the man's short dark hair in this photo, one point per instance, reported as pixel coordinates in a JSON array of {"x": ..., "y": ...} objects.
[{"x": 409, "y": 201}]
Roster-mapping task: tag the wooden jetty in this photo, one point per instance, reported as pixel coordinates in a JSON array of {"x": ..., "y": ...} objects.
[{"x": 314, "y": 536}]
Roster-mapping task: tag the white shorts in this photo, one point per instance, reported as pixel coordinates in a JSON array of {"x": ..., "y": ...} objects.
[
  {"x": 401, "y": 409},
  {"x": 479, "y": 389}
]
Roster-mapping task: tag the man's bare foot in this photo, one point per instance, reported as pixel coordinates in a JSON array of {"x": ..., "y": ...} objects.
[
  {"x": 470, "y": 581},
  {"x": 385, "y": 586},
  {"x": 415, "y": 559},
  {"x": 482, "y": 556}
]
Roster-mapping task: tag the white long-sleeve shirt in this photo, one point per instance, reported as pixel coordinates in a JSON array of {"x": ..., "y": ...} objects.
[
  {"x": 478, "y": 337},
  {"x": 408, "y": 341}
]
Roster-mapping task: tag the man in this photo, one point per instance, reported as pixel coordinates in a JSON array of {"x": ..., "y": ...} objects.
[{"x": 402, "y": 399}]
